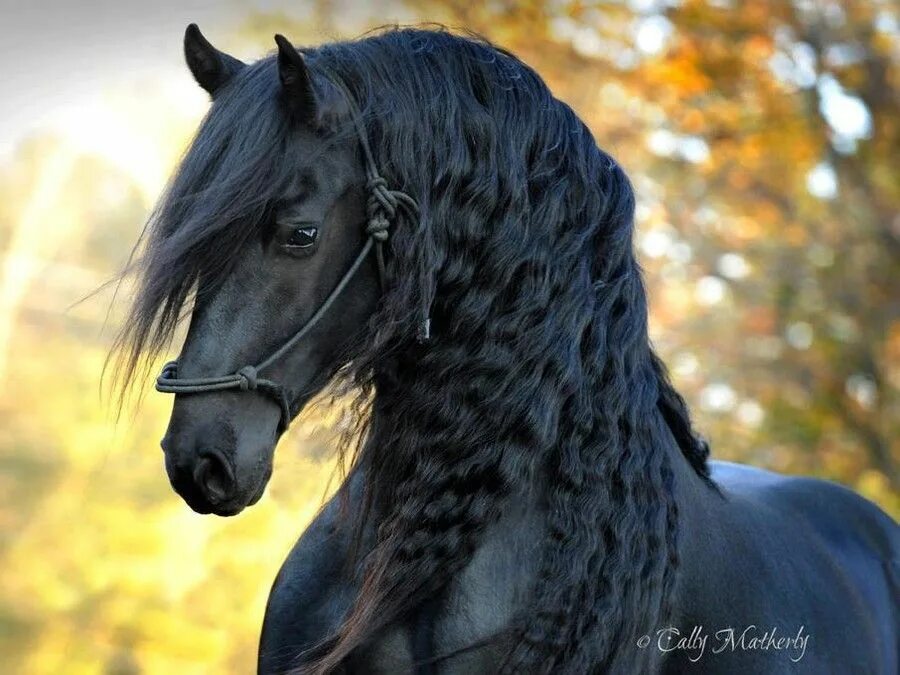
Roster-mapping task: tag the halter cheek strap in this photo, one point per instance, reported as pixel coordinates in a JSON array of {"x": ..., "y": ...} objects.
[{"x": 383, "y": 205}]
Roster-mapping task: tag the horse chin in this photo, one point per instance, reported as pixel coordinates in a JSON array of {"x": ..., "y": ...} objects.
[
  {"x": 241, "y": 502},
  {"x": 226, "y": 511},
  {"x": 235, "y": 507}
]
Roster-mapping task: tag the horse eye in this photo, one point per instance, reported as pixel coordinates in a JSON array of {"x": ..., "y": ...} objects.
[{"x": 303, "y": 237}]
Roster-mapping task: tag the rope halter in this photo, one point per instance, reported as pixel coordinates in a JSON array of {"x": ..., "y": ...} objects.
[{"x": 383, "y": 205}]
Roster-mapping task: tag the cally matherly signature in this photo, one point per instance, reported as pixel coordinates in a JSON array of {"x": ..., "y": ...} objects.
[{"x": 749, "y": 638}]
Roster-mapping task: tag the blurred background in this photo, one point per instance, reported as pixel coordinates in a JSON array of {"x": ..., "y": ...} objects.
[{"x": 763, "y": 140}]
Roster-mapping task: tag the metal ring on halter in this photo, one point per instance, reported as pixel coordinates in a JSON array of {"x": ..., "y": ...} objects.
[{"x": 382, "y": 207}]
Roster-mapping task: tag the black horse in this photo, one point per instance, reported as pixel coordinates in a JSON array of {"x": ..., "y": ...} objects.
[{"x": 414, "y": 217}]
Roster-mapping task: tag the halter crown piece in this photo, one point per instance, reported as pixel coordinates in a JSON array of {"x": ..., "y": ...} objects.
[{"x": 383, "y": 205}]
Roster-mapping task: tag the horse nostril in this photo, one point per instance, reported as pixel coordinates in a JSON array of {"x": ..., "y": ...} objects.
[{"x": 215, "y": 477}]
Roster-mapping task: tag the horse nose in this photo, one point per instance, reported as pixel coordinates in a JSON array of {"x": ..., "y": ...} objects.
[{"x": 214, "y": 477}]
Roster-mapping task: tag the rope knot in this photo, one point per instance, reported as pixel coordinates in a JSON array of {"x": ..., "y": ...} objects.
[
  {"x": 169, "y": 371},
  {"x": 376, "y": 183},
  {"x": 248, "y": 378},
  {"x": 381, "y": 199},
  {"x": 378, "y": 227}
]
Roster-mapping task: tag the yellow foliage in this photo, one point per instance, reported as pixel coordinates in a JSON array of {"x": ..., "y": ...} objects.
[{"x": 103, "y": 569}]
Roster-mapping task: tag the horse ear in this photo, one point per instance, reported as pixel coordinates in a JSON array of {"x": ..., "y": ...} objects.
[
  {"x": 211, "y": 68},
  {"x": 295, "y": 81}
]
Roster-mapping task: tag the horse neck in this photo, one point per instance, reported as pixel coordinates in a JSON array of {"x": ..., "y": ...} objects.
[
  {"x": 692, "y": 492},
  {"x": 653, "y": 476}
]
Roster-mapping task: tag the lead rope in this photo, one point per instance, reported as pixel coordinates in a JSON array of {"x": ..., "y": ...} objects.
[{"x": 383, "y": 205}]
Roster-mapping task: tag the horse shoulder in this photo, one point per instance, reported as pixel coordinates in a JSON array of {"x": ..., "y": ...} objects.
[
  {"x": 480, "y": 603},
  {"x": 311, "y": 593}
]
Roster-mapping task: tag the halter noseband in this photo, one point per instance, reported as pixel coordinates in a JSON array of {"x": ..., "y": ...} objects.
[{"x": 383, "y": 205}]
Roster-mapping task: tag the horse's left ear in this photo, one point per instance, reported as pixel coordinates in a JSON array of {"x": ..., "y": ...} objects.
[
  {"x": 211, "y": 68},
  {"x": 295, "y": 81}
]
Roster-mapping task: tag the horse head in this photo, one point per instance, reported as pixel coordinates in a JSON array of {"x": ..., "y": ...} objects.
[{"x": 274, "y": 218}]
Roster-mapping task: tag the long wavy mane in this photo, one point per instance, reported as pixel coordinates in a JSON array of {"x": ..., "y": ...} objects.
[{"x": 539, "y": 370}]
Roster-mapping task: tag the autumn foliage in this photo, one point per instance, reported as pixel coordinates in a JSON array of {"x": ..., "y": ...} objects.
[{"x": 762, "y": 139}]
